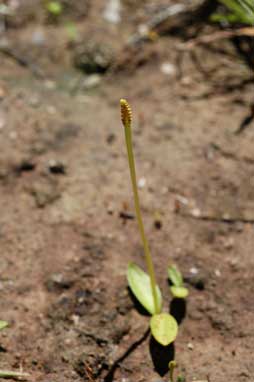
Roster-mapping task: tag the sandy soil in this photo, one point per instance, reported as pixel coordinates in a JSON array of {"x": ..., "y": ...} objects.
[{"x": 65, "y": 192}]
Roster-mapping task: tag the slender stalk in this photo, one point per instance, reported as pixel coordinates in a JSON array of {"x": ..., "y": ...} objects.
[
  {"x": 126, "y": 119},
  {"x": 13, "y": 374},
  {"x": 171, "y": 365}
]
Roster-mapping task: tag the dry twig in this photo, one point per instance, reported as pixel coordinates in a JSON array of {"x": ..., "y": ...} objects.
[{"x": 207, "y": 39}]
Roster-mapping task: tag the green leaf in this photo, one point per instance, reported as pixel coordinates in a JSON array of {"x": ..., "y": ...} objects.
[
  {"x": 164, "y": 328},
  {"x": 71, "y": 30},
  {"x": 140, "y": 285},
  {"x": 231, "y": 18},
  {"x": 3, "y": 324},
  {"x": 243, "y": 10},
  {"x": 54, "y": 7},
  {"x": 175, "y": 276},
  {"x": 179, "y": 292}
]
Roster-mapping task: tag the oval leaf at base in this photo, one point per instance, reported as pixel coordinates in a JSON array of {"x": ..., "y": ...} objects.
[
  {"x": 164, "y": 328},
  {"x": 179, "y": 292},
  {"x": 140, "y": 285},
  {"x": 3, "y": 324}
]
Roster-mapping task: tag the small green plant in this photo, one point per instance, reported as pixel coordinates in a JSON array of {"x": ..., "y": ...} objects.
[
  {"x": 72, "y": 31},
  {"x": 239, "y": 11},
  {"x": 177, "y": 288},
  {"x": 3, "y": 324},
  {"x": 55, "y": 8},
  {"x": 144, "y": 287}
]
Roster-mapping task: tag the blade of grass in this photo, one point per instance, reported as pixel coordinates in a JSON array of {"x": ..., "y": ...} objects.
[{"x": 244, "y": 11}]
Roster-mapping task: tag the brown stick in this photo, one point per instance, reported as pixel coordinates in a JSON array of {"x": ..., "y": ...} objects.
[{"x": 207, "y": 39}]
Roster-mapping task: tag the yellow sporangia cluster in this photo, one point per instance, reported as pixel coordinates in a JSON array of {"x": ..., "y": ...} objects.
[{"x": 126, "y": 114}]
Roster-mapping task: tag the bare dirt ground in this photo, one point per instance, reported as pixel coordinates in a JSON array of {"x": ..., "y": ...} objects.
[{"x": 65, "y": 194}]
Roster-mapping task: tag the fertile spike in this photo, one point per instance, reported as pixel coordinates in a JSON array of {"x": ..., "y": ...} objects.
[{"x": 126, "y": 114}]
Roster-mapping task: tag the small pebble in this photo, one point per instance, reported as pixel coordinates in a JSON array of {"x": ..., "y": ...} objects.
[
  {"x": 194, "y": 270},
  {"x": 112, "y": 12},
  {"x": 38, "y": 37},
  {"x": 143, "y": 29},
  {"x": 226, "y": 216},
  {"x": 75, "y": 319},
  {"x": 141, "y": 182},
  {"x": 196, "y": 212},
  {"x": 182, "y": 200},
  {"x": 91, "y": 81},
  {"x": 217, "y": 273},
  {"x": 190, "y": 346},
  {"x": 168, "y": 69}
]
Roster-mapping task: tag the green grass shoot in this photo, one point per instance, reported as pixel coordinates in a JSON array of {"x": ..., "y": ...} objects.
[{"x": 177, "y": 288}]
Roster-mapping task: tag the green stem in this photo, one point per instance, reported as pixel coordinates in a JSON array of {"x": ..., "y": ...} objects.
[
  {"x": 13, "y": 374},
  {"x": 171, "y": 365},
  {"x": 148, "y": 257}
]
